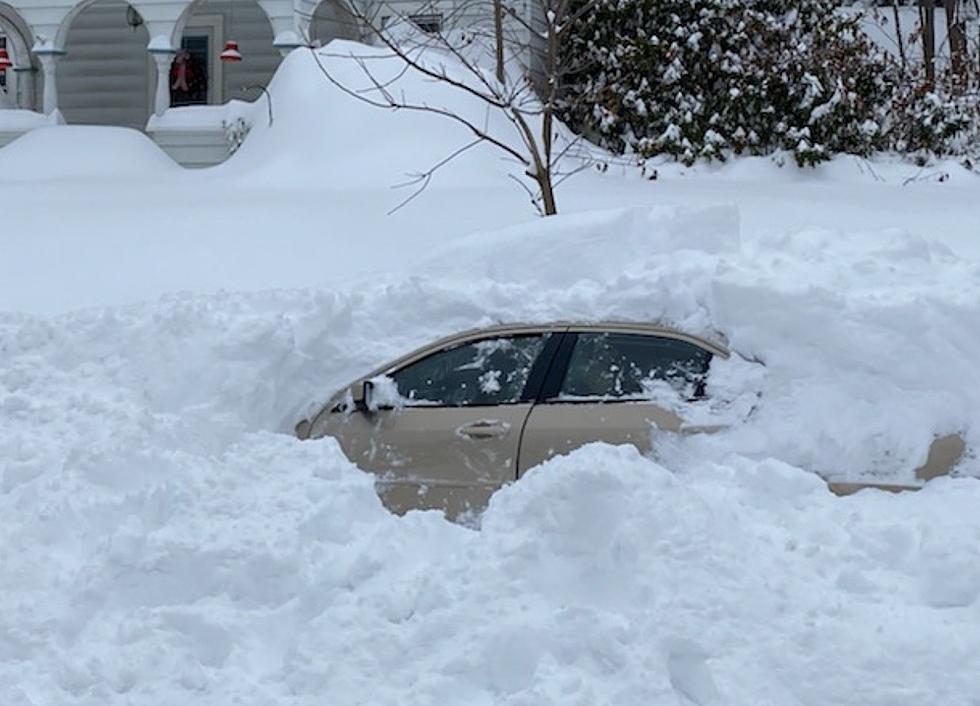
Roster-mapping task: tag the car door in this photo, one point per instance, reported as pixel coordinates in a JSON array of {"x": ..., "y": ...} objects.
[
  {"x": 610, "y": 386},
  {"x": 445, "y": 429}
]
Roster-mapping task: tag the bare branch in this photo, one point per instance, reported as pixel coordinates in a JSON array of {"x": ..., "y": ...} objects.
[
  {"x": 534, "y": 198},
  {"x": 422, "y": 179},
  {"x": 414, "y": 63}
]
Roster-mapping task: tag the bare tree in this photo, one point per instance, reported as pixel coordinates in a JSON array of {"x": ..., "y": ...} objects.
[
  {"x": 498, "y": 35},
  {"x": 899, "y": 38},
  {"x": 523, "y": 88}
]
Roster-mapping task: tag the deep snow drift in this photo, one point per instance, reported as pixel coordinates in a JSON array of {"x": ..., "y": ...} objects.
[
  {"x": 318, "y": 185},
  {"x": 82, "y": 152},
  {"x": 163, "y": 541},
  {"x": 162, "y": 544}
]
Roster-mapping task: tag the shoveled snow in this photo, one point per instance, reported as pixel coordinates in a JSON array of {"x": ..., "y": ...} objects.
[
  {"x": 162, "y": 544},
  {"x": 165, "y": 540}
]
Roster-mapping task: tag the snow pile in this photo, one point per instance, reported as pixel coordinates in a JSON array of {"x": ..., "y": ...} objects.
[
  {"x": 80, "y": 152},
  {"x": 305, "y": 203},
  {"x": 15, "y": 119},
  {"x": 158, "y": 548},
  {"x": 203, "y": 117},
  {"x": 162, "y": 544},
  {"x": 339, "y": 131},
  {"x": 846, "y": 324}
]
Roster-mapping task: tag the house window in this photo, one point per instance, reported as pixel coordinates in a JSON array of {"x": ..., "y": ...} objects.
[
  {"x": 189, "y": 72},
  {"x": 431, "y": 24}
]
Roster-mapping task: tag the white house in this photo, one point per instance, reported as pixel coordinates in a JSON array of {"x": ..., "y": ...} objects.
[{"x": 156, "y": 65}]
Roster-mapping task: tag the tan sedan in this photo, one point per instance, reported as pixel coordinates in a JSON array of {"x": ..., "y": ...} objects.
[{"x": 446, "y": 426}]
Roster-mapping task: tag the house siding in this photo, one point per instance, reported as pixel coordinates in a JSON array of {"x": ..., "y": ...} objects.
[{"x": 105, "y": 76}]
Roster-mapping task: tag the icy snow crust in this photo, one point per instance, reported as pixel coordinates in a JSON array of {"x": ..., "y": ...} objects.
[{"x": 165, "y": 540}]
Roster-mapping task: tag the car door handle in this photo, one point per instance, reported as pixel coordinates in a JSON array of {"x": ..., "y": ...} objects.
[{"x": 484, "y": 429}]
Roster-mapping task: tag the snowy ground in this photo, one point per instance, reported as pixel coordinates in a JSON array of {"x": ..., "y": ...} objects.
[{"x": 164, "y": 542}]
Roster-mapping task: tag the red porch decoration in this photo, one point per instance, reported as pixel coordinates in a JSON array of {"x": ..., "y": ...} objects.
[
  {"x": 231, "y": 52},
  {"x": 5, "y": 62}
]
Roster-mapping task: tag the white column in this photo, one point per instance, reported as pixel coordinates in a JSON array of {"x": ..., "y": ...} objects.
[
  {"x": 49, "y": 64},
  {"x": 163, "y": 59}
]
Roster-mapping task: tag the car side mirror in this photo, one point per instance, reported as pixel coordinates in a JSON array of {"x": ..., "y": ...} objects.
[{"x": 361, "y": 393}]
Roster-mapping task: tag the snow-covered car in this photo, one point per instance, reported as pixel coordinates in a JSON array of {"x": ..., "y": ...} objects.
[{"x": 450, "y": 423}]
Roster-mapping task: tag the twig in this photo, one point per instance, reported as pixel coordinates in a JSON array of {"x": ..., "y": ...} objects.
[{"x": 425, "y": 177}]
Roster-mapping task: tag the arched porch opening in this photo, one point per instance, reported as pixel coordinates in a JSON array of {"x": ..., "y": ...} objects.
[
  {"x": 198, "y": 76},
  {"x": 332, "y": 19},
  {"x": 17, "y": 84},
  {"x": 105, "y": 77}
]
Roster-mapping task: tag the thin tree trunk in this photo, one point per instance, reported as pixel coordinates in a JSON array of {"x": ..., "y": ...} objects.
[
  {"x": 927, "y": 16},
  {"x": 957, "y": 38},
  {"x": 548, "y": 202},
  {"x": 498, "y": 31},
  {"x": 898, "y": 36}
]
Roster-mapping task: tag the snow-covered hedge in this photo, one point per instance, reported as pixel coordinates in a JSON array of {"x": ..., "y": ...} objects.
[{"x": 701, "y": 79}]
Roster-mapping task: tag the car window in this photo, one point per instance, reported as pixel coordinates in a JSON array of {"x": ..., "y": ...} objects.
[
  {"x": 487, "y": 372},
  {"x": 633, "y": 366}
]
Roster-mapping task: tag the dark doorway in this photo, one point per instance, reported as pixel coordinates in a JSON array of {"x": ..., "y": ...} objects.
[{"x": 189, "y": 71}]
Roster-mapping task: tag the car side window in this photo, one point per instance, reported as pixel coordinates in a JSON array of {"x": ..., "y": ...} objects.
[
  {"x": 487, "y": 372},
  {"x": 633, "y": 366}
]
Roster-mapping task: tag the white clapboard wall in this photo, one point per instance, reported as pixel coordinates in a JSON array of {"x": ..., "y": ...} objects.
[
  {"x": 332, "y": 21},
  {"x": 107, "y": 77},
  {"x": 104, "y": 78}
]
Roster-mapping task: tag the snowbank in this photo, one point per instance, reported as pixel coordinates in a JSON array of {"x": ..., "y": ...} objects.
[
  {"x": 81, "y": 152},
  {"x": 162, "y": 544},
  {"x": 13, "y": 119},
  {"x": 847, "y": 324},
  {"x": 333, "y": 139},
  {"x": 160, "y": 547},
  {"x": 203, "y": 117}
]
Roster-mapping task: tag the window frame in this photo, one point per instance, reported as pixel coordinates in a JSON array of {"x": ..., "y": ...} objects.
[{"x": 428, "y": 22}]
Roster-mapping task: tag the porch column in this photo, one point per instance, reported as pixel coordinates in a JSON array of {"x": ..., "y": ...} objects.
[
  {"x": 49, "y": 59},
  {"x": 163, "y": 58}
]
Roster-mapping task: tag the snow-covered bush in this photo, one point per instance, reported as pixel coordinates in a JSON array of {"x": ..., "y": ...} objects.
[
  {"x": 701, "y": 79},
  {"x": 942, "y": 121}
]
